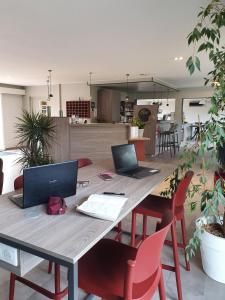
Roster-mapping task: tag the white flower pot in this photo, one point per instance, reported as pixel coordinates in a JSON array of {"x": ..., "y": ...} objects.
[
  {"x": 212, "y": 252},
  {"x": 140, "y": 132},
  {"x": 133, "y": 132}
]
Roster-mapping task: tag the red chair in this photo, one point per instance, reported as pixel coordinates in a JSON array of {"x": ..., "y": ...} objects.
[
  {"x": 18, "y": 183},
  {"x": 112, "y": 270},
  {"x": 155, "y": 206},
  {"x": 83, "y": 162},
  {"x": 1, "y": 176},
  {"x": 58, "y": 294}
]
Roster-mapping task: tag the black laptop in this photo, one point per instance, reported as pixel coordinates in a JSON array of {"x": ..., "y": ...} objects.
[
  {"x": 125, "y": 162},
  {"x": 40, "y": 182}
]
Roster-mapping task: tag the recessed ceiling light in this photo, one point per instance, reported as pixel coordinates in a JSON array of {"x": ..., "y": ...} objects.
[{"x": 178, "y": 58}]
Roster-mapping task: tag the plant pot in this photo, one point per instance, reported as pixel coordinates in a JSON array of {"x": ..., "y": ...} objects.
[
  {"x": 140, "y": 132},
  {"x": 212, "y": 251},
  {"x": 133, "y": 132}
]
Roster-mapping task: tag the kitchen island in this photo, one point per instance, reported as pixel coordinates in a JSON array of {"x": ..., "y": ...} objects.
[{"x": 92, "y": 140}]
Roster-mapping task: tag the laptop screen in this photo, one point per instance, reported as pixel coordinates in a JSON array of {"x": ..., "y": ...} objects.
[
  {"x": 124, "y": 157},
  {"x": 40, "y": 182}
]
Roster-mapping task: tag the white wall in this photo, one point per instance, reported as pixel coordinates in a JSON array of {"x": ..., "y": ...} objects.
[
  {"x": 68, "y": 91},
  {"x": 11, "y": 109},
  {"x": 2, "y": 141},
  {"x": 166, "y": 108},
  {"x": 193, "y": 114},
  {"x": 198, "y": 92}
]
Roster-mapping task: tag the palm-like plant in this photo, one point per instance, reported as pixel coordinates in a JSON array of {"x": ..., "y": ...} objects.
[{"x": 34, "y": 131}]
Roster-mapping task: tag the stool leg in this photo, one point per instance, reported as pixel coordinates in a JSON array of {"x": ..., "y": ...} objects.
[
  {"x": 162, "y": 293},
  {"x": 170, "y": 145},
  {"x": 144, "y": 230},
  {"x": 176, "y": 261},
  {"x": 184, "y": 237},
  {"x": 133, "y": 229},
  {"x": 12, "y": 286},
  {"x": 163, "y": 143},
  {"x": 174, "y": 144},
  {"x": 168, "y": 141},
  {"x": 159, "y": 141}
]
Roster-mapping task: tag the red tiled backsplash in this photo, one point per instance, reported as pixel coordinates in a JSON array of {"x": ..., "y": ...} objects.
[{"x": 80, "y": 108}]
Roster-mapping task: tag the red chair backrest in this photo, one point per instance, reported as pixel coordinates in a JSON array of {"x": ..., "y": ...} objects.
[
  {"x": 149, "y": 252},
  {"x": 181, "y": 192},
  {"x": 18, "y": 183},
  {"x": 83, "y": 162}
]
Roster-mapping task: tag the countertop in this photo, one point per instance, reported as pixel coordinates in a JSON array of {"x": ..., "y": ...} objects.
[{"x": 100, "y": 125}]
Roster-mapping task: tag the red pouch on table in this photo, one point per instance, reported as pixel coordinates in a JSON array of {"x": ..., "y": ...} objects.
[{"x": 56, "y": 206}]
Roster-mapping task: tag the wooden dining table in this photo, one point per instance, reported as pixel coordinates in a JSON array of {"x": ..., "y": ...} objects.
[{"x": 64, "y": 239}]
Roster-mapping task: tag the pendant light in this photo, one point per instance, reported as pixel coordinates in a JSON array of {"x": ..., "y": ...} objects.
[
  {"x": 90, "y": 78},
  {"x": 49, "y": 85},
  {"x": 167, "y": 103},
  {"x": 90, "y": 81},
  {"x": 127, "y": 96}
]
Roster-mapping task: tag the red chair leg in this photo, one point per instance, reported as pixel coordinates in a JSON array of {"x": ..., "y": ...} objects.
[
  {"x": 176, "y": 261},
  {"x": 50, "y": 264},
  {"x": 133, "y": 229},
  {"x": 184, "y": 237},
  {"x": 162, "y": 293},
  {"x": 119, "y": 230},
  {"x": 12, "y": 286},
  {"x": 144, "y": 229}
]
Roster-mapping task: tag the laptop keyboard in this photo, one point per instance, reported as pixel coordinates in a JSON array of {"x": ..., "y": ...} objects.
[{"x": 141, "y": 172}]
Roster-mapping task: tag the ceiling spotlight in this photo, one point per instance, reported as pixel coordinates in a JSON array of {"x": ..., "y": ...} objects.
[{"x": 177, "y": 58}]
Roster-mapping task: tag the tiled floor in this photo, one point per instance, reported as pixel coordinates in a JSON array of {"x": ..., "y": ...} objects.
[{"x": 195, "y": 284}]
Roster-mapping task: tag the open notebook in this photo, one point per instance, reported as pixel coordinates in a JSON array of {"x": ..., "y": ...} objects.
[{"x": 106, "y": 207}]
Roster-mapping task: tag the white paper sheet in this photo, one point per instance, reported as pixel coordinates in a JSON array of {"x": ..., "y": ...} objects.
[{"x": 106, "y": 207}]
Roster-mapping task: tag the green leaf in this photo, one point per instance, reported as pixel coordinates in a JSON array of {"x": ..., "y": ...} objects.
[{"x": 197, "y": 63}]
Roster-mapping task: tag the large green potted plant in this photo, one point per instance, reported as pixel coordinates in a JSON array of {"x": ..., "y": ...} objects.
[
  {"x": 35, "y": 131},
  {"x": 208, "y": 150}
]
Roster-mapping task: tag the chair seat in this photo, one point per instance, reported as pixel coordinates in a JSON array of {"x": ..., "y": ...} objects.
[
  {"x": 102, "y": 271},
  {"x": 155, "y": 206}
]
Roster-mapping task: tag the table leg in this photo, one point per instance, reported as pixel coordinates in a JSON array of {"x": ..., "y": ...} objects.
[{"x": 73, "y": 291}]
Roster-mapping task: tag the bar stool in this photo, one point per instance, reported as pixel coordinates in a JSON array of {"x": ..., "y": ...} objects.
[
  {"x": 155, "y": 206},
  {"x": 168, "y": 140}
]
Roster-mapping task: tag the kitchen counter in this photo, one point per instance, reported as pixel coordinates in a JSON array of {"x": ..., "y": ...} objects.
[
  {"x": 92, "y": 140},
  {"x": 99, "y": 124}
]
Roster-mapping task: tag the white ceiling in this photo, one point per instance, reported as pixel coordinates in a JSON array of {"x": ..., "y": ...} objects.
[{"x": 108, "y": 37}]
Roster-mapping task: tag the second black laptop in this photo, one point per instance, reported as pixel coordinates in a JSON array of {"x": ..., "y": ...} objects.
[{"x": 126, "y": 163}]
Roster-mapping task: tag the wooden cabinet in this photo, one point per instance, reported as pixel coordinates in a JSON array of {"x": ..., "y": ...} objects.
[{"x": 108, "y": 106}]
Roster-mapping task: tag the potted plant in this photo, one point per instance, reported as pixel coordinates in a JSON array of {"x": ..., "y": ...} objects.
[
  {"x": 208, "y": 152},
  {"x": 35, "y": 132},
  {"x": 137, "y": 122}
]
